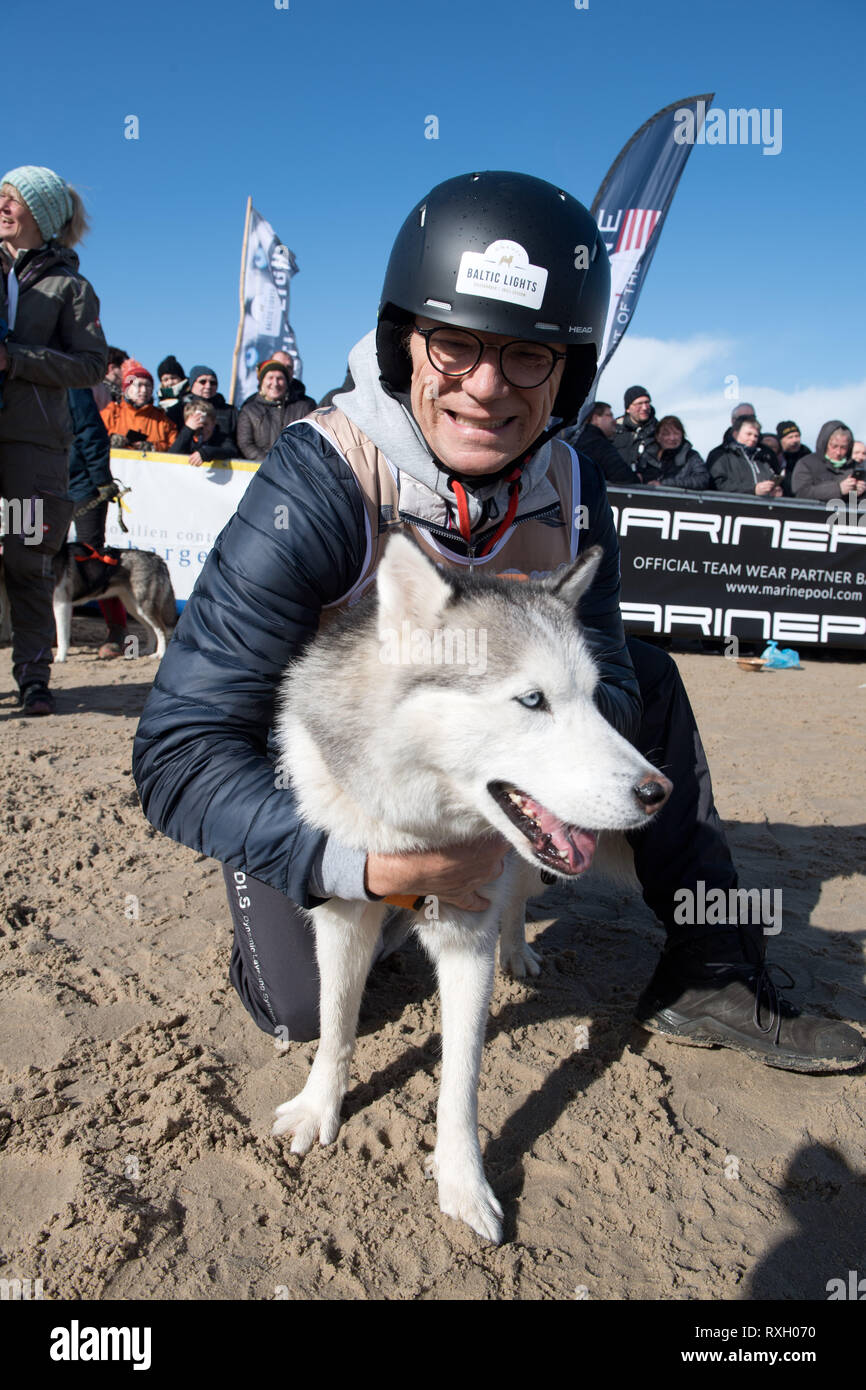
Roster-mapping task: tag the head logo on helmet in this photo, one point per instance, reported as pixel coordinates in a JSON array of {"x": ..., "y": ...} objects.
[{"x": 495, "y": 252}]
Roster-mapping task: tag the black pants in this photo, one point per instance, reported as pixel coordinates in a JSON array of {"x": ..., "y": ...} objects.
[
  {"x": 27, "y": 470},
  {"x": 273, "y": 965}
]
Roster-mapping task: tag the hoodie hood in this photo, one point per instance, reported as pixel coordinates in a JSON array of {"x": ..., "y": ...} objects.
[
  {"x": 423, "y": 484},
  {"x": 824, "y": 436}
]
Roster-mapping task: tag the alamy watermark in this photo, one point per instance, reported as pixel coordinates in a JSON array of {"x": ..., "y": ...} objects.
[
  {"x": 700, "y": 906},
  {"x": 847, "y": 511},
  {"x": 854, "y": 1289},
  {"x": 22, "y": 516},
  {"x": 16, "y": 1290},
  {"x": 441, "y": 646},
  {"x": 738, "y": 126}
]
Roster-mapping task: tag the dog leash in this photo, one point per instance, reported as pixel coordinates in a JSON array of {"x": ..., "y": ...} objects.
[{"x": 100, "y": 498}]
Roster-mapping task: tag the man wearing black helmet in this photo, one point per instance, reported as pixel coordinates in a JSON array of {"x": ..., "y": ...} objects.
[{"x": 487, "y": 342}]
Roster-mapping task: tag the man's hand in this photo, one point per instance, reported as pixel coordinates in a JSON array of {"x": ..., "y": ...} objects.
[
  {"x": 767, "y": 487},
  {"x": 452, "y": 874},
  {"x": 196, "y": 460},
  {"x": 850, "y": 484}
]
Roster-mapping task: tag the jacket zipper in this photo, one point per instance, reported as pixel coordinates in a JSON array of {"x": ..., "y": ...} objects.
[
  {"x": 41, "y": 406},
  {"x": 471, "y": 550}
]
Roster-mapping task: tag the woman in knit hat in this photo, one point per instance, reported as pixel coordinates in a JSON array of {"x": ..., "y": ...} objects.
[
  {"x": 50, "y": 341},
  {"x": 135, "y": 423},
  {"x": 264, "y": 417}
]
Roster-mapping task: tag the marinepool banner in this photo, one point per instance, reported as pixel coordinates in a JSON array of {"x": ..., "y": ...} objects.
[
  {"x": 714, "y": 564},
  {"x": 694, "y": 564}
]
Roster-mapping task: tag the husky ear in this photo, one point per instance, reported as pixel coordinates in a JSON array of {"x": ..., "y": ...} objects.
[
  {"x": 409, "y": 586},
  {"x": 572, "y": 583}
]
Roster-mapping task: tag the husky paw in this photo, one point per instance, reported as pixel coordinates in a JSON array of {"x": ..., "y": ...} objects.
[
  {"x": 520, "y": 962},
  {"x": 475, "y": 1204},
  {"x": 308, "y": 1118},
  {"x": 468, "y": 1199}
]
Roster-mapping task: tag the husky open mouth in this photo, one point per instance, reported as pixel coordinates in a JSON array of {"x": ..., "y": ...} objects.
[{"x": 566, "y": 848}]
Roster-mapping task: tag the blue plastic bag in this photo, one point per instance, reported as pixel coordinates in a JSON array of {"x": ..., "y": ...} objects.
[{"x": 776, "y": 660}]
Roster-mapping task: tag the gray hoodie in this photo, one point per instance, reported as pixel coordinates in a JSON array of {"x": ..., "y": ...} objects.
[{"x": 813, "y": 476}]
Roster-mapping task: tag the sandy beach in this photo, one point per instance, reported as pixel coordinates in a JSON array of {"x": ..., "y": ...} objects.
[{"x": 136, "y": 1094}]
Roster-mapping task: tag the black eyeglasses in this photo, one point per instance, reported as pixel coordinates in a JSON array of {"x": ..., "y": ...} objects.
[{"x": 456, "y": 352}]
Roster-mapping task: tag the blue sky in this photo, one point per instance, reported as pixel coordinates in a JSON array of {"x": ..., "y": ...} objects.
[{"x": 319, "y": 111}]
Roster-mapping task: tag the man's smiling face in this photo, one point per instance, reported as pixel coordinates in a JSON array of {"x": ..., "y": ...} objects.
[{"x": 477, "y": 423}]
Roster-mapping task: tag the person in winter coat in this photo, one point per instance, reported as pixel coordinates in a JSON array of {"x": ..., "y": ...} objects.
[
  {"x": 203, "y": 386},
  {"x": 92, "y": 487},
  {"x": 792, "y": 449},
  {"x": 297, "y": 388},
  {"x": 670, "y": 460},
  {"x": 827, "y": 473},
  {"x": 594, "y": 440},
  {"x": 50, "y": 341},
  {"x": 451, "y": 440},
  {"x": 110, "y": 389},
  {"x": 173, "y": 383},
  {"x": 744, "y": 466},
  {"x": 263, "y": 418},
  {"x": 135, "y": 423},
  {"x": 635, "y": 430},
  {"x": 745, "y": 410},
  {"x": 201, "y": 436}
]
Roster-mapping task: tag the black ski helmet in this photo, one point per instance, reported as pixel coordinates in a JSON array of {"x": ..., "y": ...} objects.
[{"x": 500, "y": 252}]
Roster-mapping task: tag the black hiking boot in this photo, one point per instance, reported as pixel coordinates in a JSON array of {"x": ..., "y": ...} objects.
[
  {"x": 735, "y": 1003},
  {"x": 36, "y": 699}
]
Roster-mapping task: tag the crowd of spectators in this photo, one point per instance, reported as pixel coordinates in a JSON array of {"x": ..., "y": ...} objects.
[
  {"x": 191, "y": 416},
  {"x": 639, "y": 449}
]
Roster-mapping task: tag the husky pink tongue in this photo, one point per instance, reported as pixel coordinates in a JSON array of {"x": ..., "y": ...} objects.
[{"x": 578, "y": 845}]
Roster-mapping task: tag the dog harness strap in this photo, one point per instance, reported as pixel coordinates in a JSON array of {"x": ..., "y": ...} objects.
[
  {"x": 94, "y": 555},
  {"x": 405, "y": 900}
]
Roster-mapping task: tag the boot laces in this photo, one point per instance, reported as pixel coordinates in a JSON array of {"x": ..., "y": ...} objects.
[{"x": 757, "y": 976}]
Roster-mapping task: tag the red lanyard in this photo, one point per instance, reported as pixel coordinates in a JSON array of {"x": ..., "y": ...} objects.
[{"x": 463, "y": 510}]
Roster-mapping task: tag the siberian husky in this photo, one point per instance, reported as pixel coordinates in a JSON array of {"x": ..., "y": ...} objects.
[
  {"x": 435, "y": 710},
  {"x": 138, "y": 578}
]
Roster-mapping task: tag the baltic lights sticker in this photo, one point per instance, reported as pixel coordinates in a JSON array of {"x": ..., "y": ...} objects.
[{"x": 502, "y": 272}]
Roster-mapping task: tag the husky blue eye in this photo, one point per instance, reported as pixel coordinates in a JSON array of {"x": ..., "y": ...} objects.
[{"x": 534, "y": 700}]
